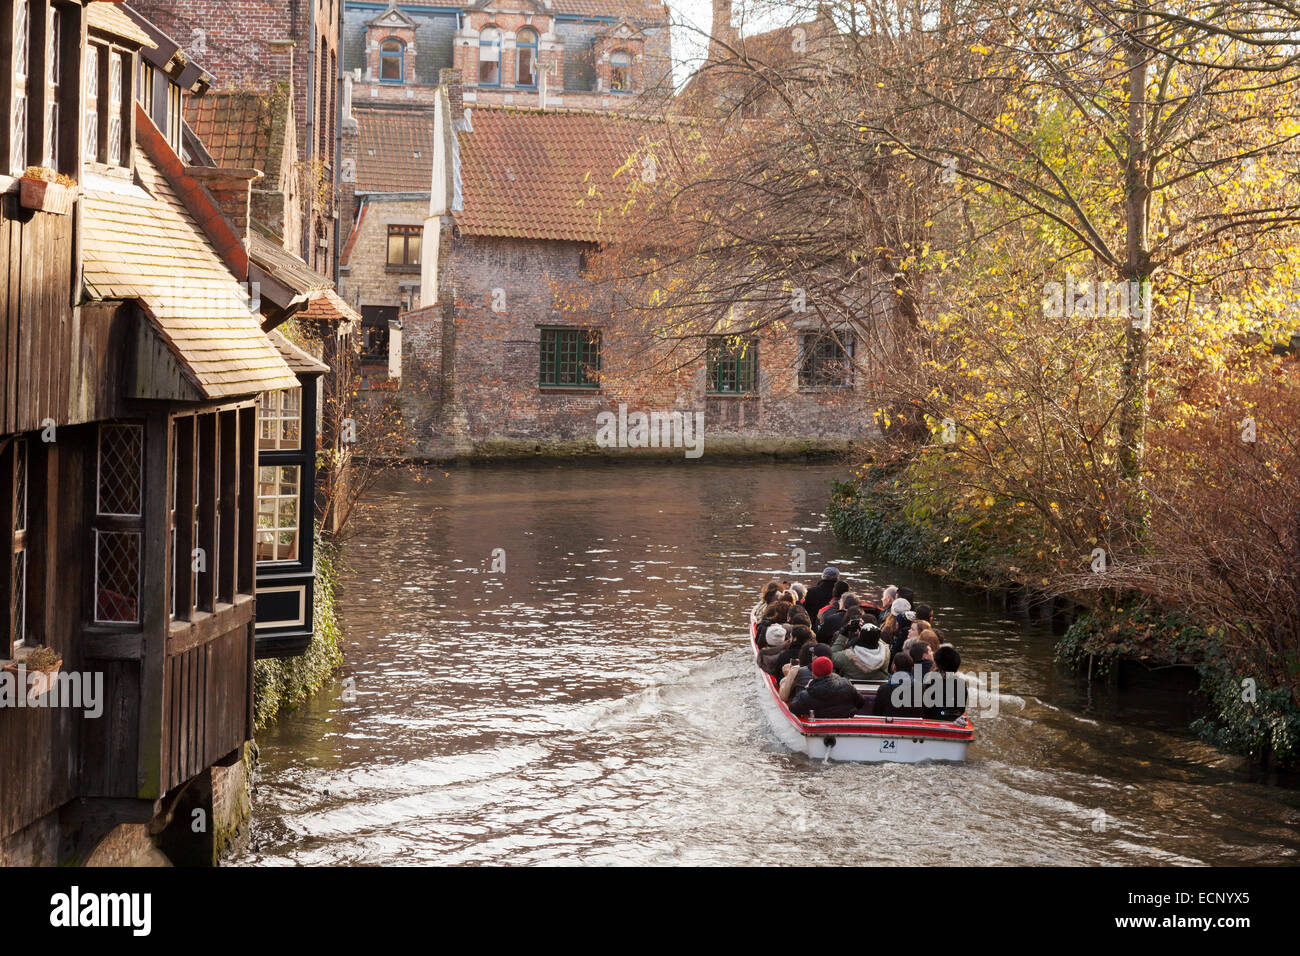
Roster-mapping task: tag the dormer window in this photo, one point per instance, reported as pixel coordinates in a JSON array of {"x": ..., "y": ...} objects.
[
  {"x": 108, "y": 76},
  {"x": 392, "y": 61},
  {"x": 526, "y": 57},
  {"x": 40, "y": 44},
  {"x": 620, "y": 71},
  {"x": 489, "y": 57}
]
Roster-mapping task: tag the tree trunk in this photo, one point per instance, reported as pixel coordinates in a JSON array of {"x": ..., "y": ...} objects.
[{"x": 1133, "y": 374}]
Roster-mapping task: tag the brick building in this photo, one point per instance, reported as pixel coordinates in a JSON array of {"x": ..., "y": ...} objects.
[
  {"x": 474, "y": 192},
  {"x": 500, "y": 360},
  {"x": 274, "y": 48},
  {"x": 575, "y": 54}
]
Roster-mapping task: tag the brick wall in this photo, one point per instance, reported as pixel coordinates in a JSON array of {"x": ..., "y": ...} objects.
[{"x": 499, "y": 407}]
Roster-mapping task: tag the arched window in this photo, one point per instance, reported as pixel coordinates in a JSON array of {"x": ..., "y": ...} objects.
[
  {"x": 392, "y": 57},
  {"x": 489, "y": 57},
  {"x": 620, "y": 71},
  {"x": 526, "y": 57}
]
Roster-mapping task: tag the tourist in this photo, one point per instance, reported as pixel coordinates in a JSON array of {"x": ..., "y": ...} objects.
[
  {"x": 800, "y": 591},
  {"x": 947, "y": 662},
  {"x": 799, "y": 636},
  {"x": 924, "y": 613},
  {"x": 859, "y": 654},
  {"x": 835, "y": 618},
  {"x": 799, "y": 615},
  {"x": 897, "y": 624},
  {"x": 820, "y": 594},
  {"x": 922, "y": 656},
  {"x": 774, "y": 644},
  {"x": 770, "y": 590},
  {"x": 797, "y": 674},
  {"x": 828, "y": 695},
  {"x": 887, "y": 598},
  {"x": 841, "y": 589},
  {"x": 778, "y": 612},
  {"x": 893, "y": 697}
]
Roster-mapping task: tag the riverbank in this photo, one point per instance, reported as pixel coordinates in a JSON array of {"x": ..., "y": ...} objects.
[{"x": 888, "y": 511}]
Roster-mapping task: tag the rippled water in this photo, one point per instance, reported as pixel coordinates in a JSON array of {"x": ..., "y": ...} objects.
[{"x": 596, "y": 703}]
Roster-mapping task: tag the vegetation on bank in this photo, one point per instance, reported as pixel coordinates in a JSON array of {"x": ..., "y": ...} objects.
[
  {"x": 283, "y": 683},
  {"x": 901, "y": 514}
]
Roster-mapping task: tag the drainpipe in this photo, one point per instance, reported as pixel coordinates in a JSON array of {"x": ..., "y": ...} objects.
[
  {"x": 338, "y": 153},
  {"x": 309, "y": 233}
]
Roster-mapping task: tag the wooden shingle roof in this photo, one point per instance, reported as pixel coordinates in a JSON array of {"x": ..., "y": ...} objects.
[
  {"x": 535, "y": 174},
  {"x": 107, "y": 17},
  {"x": 144, "y": 244},
  {"x": 297, "y": 358}
]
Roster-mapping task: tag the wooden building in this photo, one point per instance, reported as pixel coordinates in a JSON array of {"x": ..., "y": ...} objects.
[{"x": 133, "y": 368}]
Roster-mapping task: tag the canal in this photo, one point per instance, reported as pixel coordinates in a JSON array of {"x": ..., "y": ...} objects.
[{"x": 593, "y": 701}]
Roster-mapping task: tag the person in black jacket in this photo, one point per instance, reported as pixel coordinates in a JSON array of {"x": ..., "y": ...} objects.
[
  {"x": 834, "y": 619},
  {"x": 893, "y": 698},
  {"x": 820, "y": 594},
  {"x": 952, "y": 688},
  {"x": 828, "y": 695}
]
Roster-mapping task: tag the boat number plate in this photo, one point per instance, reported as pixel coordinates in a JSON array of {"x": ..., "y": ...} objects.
[{"x": 887, "y": 746}]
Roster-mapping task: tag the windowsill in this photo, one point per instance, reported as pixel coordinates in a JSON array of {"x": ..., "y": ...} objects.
[
  {"x": 584, "y": 389},
  {"x": 825, "y": 388},
  {"x": 20, "y": 654},
  {"x": 107, "y": 169},
  {"x": 752, "y": 394},
  {"x": 412, "y": 269}
]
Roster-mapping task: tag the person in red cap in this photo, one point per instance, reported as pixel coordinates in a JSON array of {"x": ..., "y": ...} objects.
[{"x": 828, "y": 695}]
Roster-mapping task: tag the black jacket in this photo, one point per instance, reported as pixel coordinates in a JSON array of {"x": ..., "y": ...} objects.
[
  {"x": 884, "y": 704},
  {"x": 832, "y": 621},
  {"x": 951, "y": 694},
  {"x": 818, "y": 596},
  {"x": 827, "y": 697}
]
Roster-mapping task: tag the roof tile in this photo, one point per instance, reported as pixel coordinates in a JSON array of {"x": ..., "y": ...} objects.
[
  {"x": 546, "y": 175},
  {"x": 394, "y": 150}
]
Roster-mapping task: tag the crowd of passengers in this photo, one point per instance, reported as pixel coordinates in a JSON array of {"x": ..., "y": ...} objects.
[{"x": 816, "y": 641}]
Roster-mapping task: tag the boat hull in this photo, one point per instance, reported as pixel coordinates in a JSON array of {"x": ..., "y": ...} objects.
[{"x": 862, "y": 739}]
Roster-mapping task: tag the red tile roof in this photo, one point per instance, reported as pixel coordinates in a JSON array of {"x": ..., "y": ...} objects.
[
  {"x": 243, "y": 129},
  {"x": 394, "y": 150},
  {"x": 330, "y": 309},
  {"x": 642, "y": 10},
  {"x": 547, "y": 175}
]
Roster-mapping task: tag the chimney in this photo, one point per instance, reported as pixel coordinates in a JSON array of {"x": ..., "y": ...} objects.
[
  {"x": 232, "y": 190},
  {"x": 451, "y": 79},
  {"x": 721, "y": 35}
]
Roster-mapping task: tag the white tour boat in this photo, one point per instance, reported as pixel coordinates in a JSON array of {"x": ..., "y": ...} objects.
[{"x": 861, "y": 739}]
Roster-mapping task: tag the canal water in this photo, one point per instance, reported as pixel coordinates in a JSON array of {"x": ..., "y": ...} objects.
[{"x": 593, "y": 701}]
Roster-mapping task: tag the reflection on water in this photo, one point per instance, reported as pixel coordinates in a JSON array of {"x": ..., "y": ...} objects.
[{"x": 595, "y": 702}]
